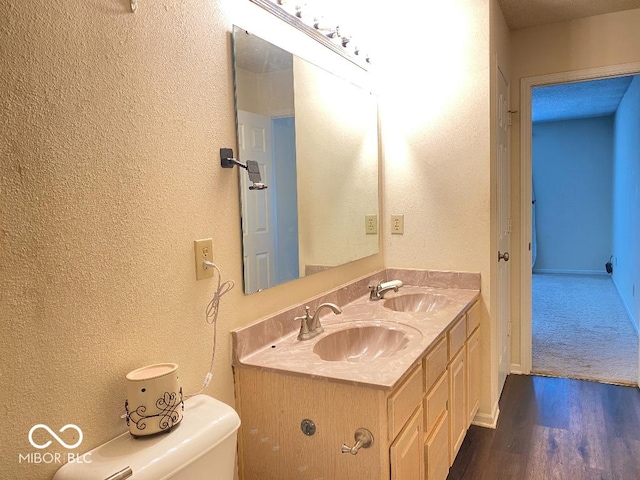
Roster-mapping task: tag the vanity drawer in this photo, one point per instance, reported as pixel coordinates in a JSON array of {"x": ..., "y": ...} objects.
[
  {"x": 435, "y": 403},
  {"x": 473, "y": 318},
  {"x": 404, "y": 401},
  {"x": 435, "y": 363},
  {"x": 457, "y": 336}
]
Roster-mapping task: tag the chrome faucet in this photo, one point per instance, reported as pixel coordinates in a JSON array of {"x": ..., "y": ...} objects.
[
  {"x": 310, "y": 324},
  {"x": 376, "y": 292}
]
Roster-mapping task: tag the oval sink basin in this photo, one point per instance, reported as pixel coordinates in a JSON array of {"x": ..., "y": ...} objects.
[
  {"x": 361, "y": 344},
  {"x": 417, "y": 302}
]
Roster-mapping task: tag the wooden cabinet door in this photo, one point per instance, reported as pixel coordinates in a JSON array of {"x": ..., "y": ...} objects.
[
  {"x": 436, "y": 404},
  {"x": 473, "y": 374},
  {"x": 436, "y": 450},
  {"x": 407, "y": 451},
  {"x": 458, "y": 413}
]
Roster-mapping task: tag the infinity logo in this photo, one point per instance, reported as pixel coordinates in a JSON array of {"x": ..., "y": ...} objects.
[{"x": 53, "y": 434}]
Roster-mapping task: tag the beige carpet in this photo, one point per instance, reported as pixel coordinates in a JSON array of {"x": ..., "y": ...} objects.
[{"x": 581, "y": 329}]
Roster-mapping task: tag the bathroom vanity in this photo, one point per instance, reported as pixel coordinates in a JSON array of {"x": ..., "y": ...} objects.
[{"x": 412, "y": 382}]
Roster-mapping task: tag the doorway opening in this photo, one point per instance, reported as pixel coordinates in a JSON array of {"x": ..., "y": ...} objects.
[
  {"x": 577, "y": 185},
  {"x": 580, "y": 214}
]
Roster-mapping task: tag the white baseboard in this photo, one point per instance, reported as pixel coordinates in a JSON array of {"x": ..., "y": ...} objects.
[
  {"x": 516, "y": 369},
  {"x": 569, "y": 272},
  {"x": 487, "y": 420},
  {"x": 634, "y": 321}
]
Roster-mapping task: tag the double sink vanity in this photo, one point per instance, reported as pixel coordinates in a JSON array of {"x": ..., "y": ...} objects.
[{"x": 386, "y": 391}]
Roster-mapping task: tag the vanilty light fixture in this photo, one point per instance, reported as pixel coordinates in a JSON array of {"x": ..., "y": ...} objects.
[{"x": 300, "y": 16}]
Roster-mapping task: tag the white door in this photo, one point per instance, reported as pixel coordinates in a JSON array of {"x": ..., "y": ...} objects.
[
  {"x": 504, "y": 232},
  {"x": 258, "y": 225}
]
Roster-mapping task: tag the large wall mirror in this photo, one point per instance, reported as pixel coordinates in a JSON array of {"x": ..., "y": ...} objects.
[{"x": 315, "y": 138}]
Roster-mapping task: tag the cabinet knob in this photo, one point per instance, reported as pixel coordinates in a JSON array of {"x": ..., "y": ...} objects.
[
  {"x": 308, "y": 427},
  {"x": 363, "y": 438}
]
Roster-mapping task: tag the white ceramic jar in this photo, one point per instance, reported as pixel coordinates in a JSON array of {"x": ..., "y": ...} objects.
[{"x": 154, "y": 399}]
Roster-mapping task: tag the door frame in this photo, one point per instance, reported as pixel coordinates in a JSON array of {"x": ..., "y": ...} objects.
[{"x": 526, "y": 86}]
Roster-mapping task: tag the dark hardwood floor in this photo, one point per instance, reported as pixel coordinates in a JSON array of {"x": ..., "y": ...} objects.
[{"x": 556, "y": 428}]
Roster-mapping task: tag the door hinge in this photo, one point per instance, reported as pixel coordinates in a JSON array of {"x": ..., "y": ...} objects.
[
  {"x": 509, "y": 225},
  {"x": 508, "y": 329},
  {"x": 509, "y": 115}
]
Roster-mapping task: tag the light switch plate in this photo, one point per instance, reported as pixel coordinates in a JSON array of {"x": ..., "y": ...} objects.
[
  {"x": 203, "y": 250},
  {"x": 371, "y": 224},
  {"x": 397, "y": 224}
]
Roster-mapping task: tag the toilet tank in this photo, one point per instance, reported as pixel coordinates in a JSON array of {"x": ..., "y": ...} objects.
[{"x": 202, "y": 446}]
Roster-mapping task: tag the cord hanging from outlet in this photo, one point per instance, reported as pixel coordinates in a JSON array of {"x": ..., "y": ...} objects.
[{"x": 211, "y": 317}]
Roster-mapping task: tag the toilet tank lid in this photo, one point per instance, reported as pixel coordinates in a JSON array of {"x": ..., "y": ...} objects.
[{"x": 206, "y": 423}]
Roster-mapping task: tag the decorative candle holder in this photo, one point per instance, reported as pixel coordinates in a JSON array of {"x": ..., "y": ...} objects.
[{"x": 154, "y": 399}]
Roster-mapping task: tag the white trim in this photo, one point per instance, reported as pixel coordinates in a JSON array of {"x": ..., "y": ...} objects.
[
  {"x": 516, "y": 369},
  {"x": 626, "y": 307},
  {"x": 569, "y": 272},
  {"x": 526, "y": 85},
  {"x": 525, "y": 225},
  {"x": 487, "y": 420}
]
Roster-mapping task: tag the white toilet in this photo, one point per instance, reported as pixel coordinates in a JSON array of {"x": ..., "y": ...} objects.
[{"x": 202, "y": 446}]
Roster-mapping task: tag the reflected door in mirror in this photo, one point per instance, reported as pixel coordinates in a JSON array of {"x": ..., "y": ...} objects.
[
  {"x": 269, "y": 217},
  {"x": 258, "y": 216}
]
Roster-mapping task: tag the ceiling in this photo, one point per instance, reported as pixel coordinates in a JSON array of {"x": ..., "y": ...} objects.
[
  {"x": 595, "y": 98},
  {"x": 529, "y": 13}
]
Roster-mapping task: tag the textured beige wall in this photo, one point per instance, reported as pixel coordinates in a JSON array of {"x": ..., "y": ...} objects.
[
  {"x": 600, "y": 41},
  {"x": 437, "y": 155},
  {"x": 436, "y": 139},
  {"x": 109, "y": 136}
]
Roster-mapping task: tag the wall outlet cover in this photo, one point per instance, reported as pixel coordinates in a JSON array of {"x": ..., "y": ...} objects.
[
  {"x": 371, "y": 224},
  {"x": 203, "y": 250},
  {"x": 397, "y": 224}
]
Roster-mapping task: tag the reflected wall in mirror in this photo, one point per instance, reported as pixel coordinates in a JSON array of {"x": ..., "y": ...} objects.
[{"x": 315, "y": 137}]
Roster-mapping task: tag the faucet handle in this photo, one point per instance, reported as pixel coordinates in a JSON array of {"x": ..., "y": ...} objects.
[
  {"x": 306, "y": 315},
  {"x": 374, "y": 288},
  {"x": 304, "y": 323}
]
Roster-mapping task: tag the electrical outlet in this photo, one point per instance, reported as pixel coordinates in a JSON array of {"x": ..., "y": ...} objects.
[
  {"x": 203, "y": 250},
  {"x": 397, "y": 224},
  {"x": 371, "y": 224}
]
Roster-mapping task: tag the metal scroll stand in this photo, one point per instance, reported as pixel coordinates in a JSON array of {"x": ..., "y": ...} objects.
[{"x": 227, "y": 161}]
